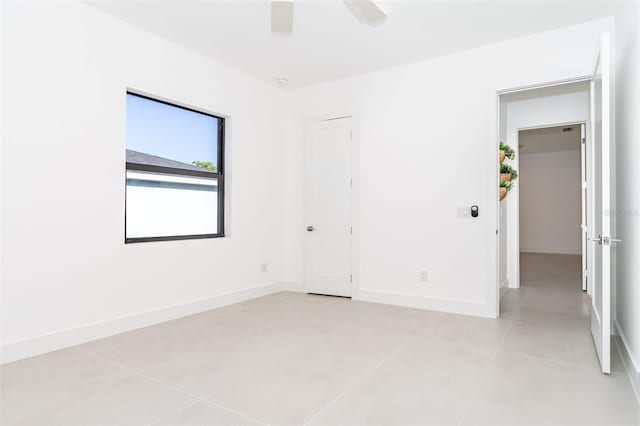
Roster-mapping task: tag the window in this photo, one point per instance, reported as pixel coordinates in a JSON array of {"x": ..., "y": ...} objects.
[{"x": 174, "y": 173}]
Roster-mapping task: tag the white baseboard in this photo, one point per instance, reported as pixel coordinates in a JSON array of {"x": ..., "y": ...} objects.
[
  {"x": 36, "y": 345},
  {"x": 298, "y": 287},
  {"x": 504, "y": 286},
  {"x": 547, "y": 250},
  {"x": 629, "y": 359},
  {"x": 454, "y": 306}
]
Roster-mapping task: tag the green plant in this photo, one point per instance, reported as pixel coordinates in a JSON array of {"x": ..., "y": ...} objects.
[
  {"x": 505, "y": 168},
  {"x": 508, "y": 151},
  {"x": 505, "y": 184},
  {"x": 205, "y": 165}
]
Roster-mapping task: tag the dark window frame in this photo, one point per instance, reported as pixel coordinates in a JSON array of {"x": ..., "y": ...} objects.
[{"x": 218, "y": 174}]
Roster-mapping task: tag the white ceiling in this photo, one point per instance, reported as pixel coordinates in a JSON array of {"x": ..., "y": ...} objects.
[
  {"x": 329, "y": 42},
  {"x": 549, "y": 139}
]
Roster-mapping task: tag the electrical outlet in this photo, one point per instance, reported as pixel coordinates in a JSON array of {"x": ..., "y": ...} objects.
[
  {"x": 264, "y": 267},
  {"x": 424, "y": 276},
  {"x": 463, "y": 212}
]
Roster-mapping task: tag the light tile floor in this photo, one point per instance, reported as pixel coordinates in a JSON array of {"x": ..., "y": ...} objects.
[{"x": 297, "y": 359}]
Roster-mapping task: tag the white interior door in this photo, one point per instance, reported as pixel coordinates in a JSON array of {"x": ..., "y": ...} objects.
[
  {"x": 600, "y": 228},
  {"x": 584, "y": 198},
  {"x": 328, "y": 208}
]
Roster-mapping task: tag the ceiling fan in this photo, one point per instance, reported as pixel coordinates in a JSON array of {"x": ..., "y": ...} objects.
[{"x": 282, "y": 13}]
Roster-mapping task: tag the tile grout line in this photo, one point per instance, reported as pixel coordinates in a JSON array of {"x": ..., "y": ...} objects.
[
  {"x": 197, "y": 398},
  {"x": 366, "y": 374},
  {"x": 171, "y": 413},
  {"x": 74, "y": 395},
  {"x": 153, "y": 379},
  {"x": 559, "y": 363},
  {"x": 493, "y": 359},
  {"x": 37, "y": 367}
]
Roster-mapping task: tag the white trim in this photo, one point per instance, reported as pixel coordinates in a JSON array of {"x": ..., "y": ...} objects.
[
  {"x": 513, "y": 245},
  {"x": 36, "y": 345},
  {"x": 556, "y": 124},
  {"x": 629, "y": 359},
  {"x": 571, "y": 251},
  {"x": 163, "y": 177},
  {"x": 635, "y": 359},
  {"x": 504, "y": 286},
  {"x": 513, "y": 220},
  {"x": 479, "y": 308},
  {"x": 456, "y": 306},
  {"x": 295, "y": 286},
  {"x": 554, "y": 83}
]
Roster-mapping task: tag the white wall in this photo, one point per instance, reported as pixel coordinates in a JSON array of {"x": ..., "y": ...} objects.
[
  {"x": 550, "y": 202},
  {"x": 66, "y": 274},
  {"x": 503, "y": 223},
  {"x": 626, "y": 220},
  {"x": 427, "y": 135},
  {"x": 538, "y": 108}
]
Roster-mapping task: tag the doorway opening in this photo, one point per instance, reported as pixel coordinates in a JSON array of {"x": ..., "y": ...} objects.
[
  {"x": 584, "y": 100},
  {"x": 552, "y": 206},
  {"x": 547, "y": 129}
]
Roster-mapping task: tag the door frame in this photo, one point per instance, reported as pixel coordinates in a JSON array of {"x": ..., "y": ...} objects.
[
  {"x": 513, "y": 263},
  {"x": 514, "y": 249},
  {"x": 303, "y": 129}
]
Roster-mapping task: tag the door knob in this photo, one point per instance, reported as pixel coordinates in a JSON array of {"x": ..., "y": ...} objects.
[
  {"x": 597, "y": 240},
  {"x": 310, "y": 228},
  {"x": 605, "y": 241}
]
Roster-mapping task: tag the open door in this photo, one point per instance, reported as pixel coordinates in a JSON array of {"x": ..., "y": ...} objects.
[
  {"x": 600, "y": 228},
  {"x": 584, "y": 197}
]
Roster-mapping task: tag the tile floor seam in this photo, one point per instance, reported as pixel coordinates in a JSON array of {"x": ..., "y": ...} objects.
[
  {"x": 171, "y": 413},
  {"x": 93, "y": 389},
  {"x": 360, "y": 379},
  {"x": 96, "y": 388},
  {"x": 389, "y": 330},
  {"x": 408, "y": 337},
  {"x": 476, "y": 391},
  {"x": 487, "y": 396},
  {"x": 36, "y": 367},
  {"x": 174, "y": 388},
  {"x": 560, "y": 363}
]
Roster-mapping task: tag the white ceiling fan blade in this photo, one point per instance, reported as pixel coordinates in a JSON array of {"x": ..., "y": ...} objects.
[
  {"x": 369, "y": 10},
  {"x": 281, "y": 16}
]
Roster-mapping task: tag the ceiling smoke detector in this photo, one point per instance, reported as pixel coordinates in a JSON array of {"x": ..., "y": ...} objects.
[{"x": 281, "y": 81}]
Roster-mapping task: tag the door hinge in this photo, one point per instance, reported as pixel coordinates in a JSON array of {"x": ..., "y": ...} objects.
[
  {"x": 351, "y": 230},
  {"x": 351, "y": 182},
  {"x": 350, "y": 278}
]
